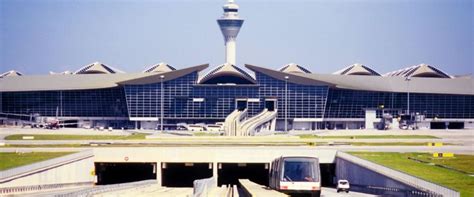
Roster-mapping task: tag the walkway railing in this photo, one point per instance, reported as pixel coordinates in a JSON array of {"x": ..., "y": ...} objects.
[{"x": 407, "y": 179}]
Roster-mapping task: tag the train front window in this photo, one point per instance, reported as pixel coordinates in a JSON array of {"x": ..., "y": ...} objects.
[{"x": 301, "y": 170}]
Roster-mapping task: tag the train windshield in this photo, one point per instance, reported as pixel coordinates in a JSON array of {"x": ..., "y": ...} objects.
[{"x": 301, "y": 170}]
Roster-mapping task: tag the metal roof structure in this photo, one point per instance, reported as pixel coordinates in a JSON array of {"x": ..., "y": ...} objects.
[
  {"x": 11, "y": 73},
  {"x": 84, "y": 82},
  {"x": 294, "y": 68},
  {"x": 357, "y": 69},
  {"x": 420, "y": 70},
  {"x": 159, "y": 68},
  {"x": 227, "y": 73},
  {"x": 97, "y": 68},
  {"x": 376, "y": 83}
]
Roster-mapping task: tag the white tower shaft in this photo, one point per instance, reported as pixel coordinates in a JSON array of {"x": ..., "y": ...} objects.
[{"x": 230, "y": 51}]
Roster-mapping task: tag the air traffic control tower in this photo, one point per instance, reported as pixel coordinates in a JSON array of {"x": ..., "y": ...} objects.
[{"x": 230, "y": 24}]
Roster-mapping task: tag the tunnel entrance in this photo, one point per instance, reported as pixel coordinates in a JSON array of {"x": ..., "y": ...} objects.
[
  {"x": 230, "y": 173},
  {"x": 112, "y": 173},
  {"x": 328, "y": 172},
  {"x": 437, "y": 125},
  {"x": 456, "y": 125},
  {"x": 183, "y": 174}
]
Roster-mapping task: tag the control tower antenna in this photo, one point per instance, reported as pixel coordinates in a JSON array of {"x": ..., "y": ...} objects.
[{"x": 230, "y": 24}]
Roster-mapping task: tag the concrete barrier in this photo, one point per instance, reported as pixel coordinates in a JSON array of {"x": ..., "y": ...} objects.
[
  {"x": 201, "y": 187},
  {"x": 69, "y": 170},
  {"x": 252, "y": 189},
  {"x": 108, "y": 188},
  {"x": 368, "y": 177}
]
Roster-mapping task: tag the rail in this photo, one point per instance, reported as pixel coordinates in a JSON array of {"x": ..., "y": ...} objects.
[
  {"x": 11, "y": 174},
  {"x": 108, "y": 188},
  {"x": 410, "y": 180},
  {"x": 36, "y": 188},
  {"x": 250, "y": 188}
]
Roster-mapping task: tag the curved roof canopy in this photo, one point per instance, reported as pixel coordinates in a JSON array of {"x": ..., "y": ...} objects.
[
  {"x": 159, "y": 68},
  {"x": 357, "y": 69},
  {"x": 227, "y": 74},
  {"x": 97, "y": 68},
  {"x": 420, "y": 70},
  {"x": 11, "y": 74},
  {"x": 294, "y": 68},
  {"x": 375, "y": 83},
  {"x": 85, "y": 82}
]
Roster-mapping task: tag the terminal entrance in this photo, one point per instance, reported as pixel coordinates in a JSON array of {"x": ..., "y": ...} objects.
[
  {"x": 270, "y": 104},
  {"x": 183, "y": 174},
  {"x": 241, "y": 104},
  {"x": 113, "y": 173},
  {"x": 230, "y": 173}
]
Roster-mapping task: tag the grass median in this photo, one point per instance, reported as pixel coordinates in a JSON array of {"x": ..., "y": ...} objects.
[
  {"x": 12, "y": 160},
  {"x": 78, "y": 137},
  {"x": 451, "y": 178}
]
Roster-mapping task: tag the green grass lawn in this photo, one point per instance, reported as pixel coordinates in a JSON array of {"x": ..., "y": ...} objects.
[
  {"x": 449, "y": 178},
  {"x": 370, "y": 137},
  {"x": 78, "y": 137},
  {"x": 12, "y": 160},
  {"x": 463, "y": 163}
]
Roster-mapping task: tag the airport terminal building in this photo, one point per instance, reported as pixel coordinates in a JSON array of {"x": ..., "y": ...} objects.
[
  {"x": 351, "y": 98},
  {"x": 292, "y": 97}
]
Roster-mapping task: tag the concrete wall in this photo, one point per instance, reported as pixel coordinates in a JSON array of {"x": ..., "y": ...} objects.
[
  {"x": 469, "y": 125},
  {"x": 214, "y": 155},
  {"x": 370, "y": 118},
  {"x": 364, "y": 180},
  {"x": 368, "y": 177},
  {"x": 64, "y": 170}
]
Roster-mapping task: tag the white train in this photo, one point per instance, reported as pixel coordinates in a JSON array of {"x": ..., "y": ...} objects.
[{"x": 296, "y": 175}]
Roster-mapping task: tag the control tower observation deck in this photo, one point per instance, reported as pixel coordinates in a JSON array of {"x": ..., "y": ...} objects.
[{"x": 230, "y": 24}]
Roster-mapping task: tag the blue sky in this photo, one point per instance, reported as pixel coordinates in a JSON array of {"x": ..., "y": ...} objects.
[{"x": 57, "y": 35}]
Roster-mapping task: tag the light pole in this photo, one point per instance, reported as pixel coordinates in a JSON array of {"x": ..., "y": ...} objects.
[
  {"x": 286, "y": 103},
  {"x": 407, "y": 79},
  {"x": 161, "y": 105}
]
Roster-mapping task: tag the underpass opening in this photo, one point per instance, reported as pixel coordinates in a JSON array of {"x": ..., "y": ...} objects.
[
  {"x": 456, "y": 125},
  {"x": 183, "y": 174},
  {"x": 328, "y": 172},
  {"x": 230, "y": 173},
  {"x": 437, "y": 125},
  {"x": 113, "y": 173}
]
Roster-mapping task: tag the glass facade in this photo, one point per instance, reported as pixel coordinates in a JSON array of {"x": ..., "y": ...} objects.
[
  {"x": 184, "y": 99},
  {"x": 303, "y": 101},
  {"x": 78, "y": 103},
  {"x": 187, "y": 101},
  {"x": 351, "y": 104},
  {"x": 218, "y": 101}
]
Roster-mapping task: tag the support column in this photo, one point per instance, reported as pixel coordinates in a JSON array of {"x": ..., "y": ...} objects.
[
  {"x": 158, "y": 174},
  {"x": 214, "y": 171}
]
